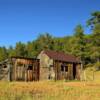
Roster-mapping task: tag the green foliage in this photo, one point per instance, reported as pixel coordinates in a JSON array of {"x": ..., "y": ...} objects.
[
  {"x": 20, "y": 49},
  {"x": 94, "y": 20},
  {"x": 79, "y": 31},
  {"x": 3, "y": 53},
  {"x": 46, "y": 41},
  {"x": 11, "y": 51},
  {"x": 94, "y": 23},
  {"x": 97, "y": 66},
  {"x": 78, "y": 43}
]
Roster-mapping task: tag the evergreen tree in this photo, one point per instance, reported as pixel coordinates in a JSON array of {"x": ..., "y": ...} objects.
[
  {"x": 78, "y": 42},
  {"x": 20, "y": 49},
  {"x": 11, "y": 51},
  {"x": 94, "y": 23},
  {"x": 3, "y": 53}
]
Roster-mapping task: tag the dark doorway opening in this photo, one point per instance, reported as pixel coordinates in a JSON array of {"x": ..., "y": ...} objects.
[
  {"x": 30, "y": 73},
  {"x": 74, "y": 71},
  {"x": 62, "y": 68},
  {"x": 30, "y": 67},
  {"x": 66, "y": 68}
]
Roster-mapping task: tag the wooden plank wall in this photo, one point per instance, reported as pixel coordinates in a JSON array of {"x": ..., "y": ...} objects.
[
  {"x": 66, "y": 75},
  {"x": 23, "y": 71}
]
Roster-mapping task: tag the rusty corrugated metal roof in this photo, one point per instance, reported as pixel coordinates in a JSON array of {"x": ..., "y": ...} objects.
[{"x": 61, "y": 56}]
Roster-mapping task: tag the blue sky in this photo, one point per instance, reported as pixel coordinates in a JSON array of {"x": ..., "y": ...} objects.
[{"x": 23, "y": 20}]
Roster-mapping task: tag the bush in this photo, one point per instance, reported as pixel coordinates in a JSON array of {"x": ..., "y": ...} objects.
[{"x": 97, "y": 66}]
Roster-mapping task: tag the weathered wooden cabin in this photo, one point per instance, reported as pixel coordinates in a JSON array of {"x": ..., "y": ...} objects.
[
  {"x": 58, "y": 66},
  {"x": 49, "y": 65},
  {"x": 22, "y": 69}
]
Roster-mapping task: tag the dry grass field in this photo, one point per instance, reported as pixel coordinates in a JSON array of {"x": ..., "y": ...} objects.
[{"x": 50, "y": 90}]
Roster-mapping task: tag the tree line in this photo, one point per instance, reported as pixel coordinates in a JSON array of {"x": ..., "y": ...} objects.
[{"x": 84, "y": 46}]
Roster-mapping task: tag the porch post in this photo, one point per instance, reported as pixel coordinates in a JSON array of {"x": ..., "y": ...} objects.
[
  {"x": 9, "y": 71},
  {"x": 81, "y": 71}
]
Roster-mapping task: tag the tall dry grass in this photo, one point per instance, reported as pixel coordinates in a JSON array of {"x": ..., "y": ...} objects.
[{"x": 50, "y": 90}]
